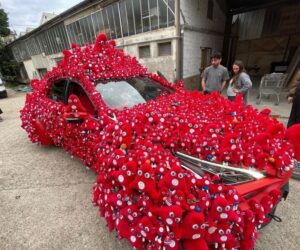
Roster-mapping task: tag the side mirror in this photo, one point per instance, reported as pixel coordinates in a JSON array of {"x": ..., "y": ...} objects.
[{"x": 74, "y": 112}]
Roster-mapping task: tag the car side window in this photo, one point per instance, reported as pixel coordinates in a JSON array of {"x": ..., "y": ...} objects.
[
  {"x": 57, "y": 91},
  {"x": 76, "y": 89}
]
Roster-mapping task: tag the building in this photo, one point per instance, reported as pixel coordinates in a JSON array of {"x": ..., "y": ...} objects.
[
  {"x": 46, "y": 17},
  {"x": 145, "y": 29},
  {"x": 10, "y": 38},
  {"x": 173, "y": 37},
  {"x": 27, "y": 30}
]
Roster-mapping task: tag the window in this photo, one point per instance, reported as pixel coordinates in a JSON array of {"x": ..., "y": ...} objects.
[
  {"x": 165, "y": 49},
  {"x": 153, "y": 14},
  {"x": 210, "y": 9},
  {"x": 98, "y": 22},
  {"x": 144, "y": 51},
  {"x": 42, "y": 72},
  {"x": 137, "y": 16},
  {"x": 130, "y": 17},
  {"x": 106, "y": 23},
  {"x": 171, "y": 12},
  {"x": 123, "y": 15},
  {"x": 111, "y": 22},
  {"x": 163, "y": 14},
  {"x": 76, "y": 89},
  {"x": 145, "y": 16},
  {"x": 115, "y": 11},
  {"x": 57, "y": 91},
  {"x": 127, "y": 93}
]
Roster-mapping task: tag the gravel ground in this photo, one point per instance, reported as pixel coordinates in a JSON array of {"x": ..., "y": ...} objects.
[{"x": 45, "y": 198}]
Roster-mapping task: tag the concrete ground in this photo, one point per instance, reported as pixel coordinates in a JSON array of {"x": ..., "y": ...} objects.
[{"x": 45, "y": 196}]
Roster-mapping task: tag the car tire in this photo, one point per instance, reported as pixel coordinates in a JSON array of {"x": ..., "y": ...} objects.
[{"x": 3, "y": 94}]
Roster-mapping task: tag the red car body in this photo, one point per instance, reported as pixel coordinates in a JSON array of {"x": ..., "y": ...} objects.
[{"x": 137, "y": 131}]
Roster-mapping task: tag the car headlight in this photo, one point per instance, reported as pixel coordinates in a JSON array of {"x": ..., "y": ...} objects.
[{"x": 228, "y": 174}]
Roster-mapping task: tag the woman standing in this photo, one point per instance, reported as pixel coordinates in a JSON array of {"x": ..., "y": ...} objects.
[
  {"x": 240, "y": 82},
  {"x": 294, "y": 98}
]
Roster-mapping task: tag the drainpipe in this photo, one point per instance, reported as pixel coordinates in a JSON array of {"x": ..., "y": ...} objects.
[{"x": 178, "y": 39}]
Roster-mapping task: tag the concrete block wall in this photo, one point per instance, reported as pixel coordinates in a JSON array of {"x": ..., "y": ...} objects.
[
  {"x": 165, "y": 64},
  {"x": 30, "y": 69},
  {"x": 192, "y": 41},
  {"x": 199, "y": 31},
  {"x": 194, "y": 13}
]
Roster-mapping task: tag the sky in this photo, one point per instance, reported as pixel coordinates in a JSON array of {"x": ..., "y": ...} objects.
[{"x": 28, "y": 13}]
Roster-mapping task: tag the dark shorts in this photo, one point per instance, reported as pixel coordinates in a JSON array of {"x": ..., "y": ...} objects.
[{"x": 231, "y": 98}]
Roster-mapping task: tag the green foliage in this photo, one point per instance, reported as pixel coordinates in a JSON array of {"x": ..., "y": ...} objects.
[
  {"x": 8, "y": 66},
  {"x": 4, "y": 30}
]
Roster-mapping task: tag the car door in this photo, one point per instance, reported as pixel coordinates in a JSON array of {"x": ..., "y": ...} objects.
[
  {"x": 82, "y": 136},
  {"x": 52, "y": 120}
]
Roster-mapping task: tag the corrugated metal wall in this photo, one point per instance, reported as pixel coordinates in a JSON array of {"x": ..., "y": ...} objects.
[{"x": 251, "y": 24}]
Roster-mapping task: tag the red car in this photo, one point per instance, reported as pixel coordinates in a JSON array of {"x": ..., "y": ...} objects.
[{"x": 174, "y": 167}]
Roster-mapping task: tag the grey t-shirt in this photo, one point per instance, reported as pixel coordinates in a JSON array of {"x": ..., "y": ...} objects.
[{"x": 214, "y": 77}]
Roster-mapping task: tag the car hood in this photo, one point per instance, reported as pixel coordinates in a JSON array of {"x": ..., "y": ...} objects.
[{"x": 211, "y": 128}]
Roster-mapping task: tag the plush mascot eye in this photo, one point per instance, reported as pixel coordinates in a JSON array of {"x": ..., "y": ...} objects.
[
  {"x": 203, "y": 226},
  {"x": 173, "y": 173},
  {"x": 227, "y": 208},
  {"x": 119, "y": 196},
  {"x": 219, "y": 209},
  {"x": 196, "y": 126},
  {"x": 177, "y": 219},
  {"x": 124, "y": 167},
  {"x": 147, "y": 229},
  {"x": 124, "y": 133},
  {"x": 129, "y": 210},
  {"x": 140, "y": 172},
  {"x": 147, "y": 175},
  {"x": 134, "y": 214},
  {"x": 195, "y": 226},
  {"x": 144, "y": 147},
  {"x": 221, "y": 231},
  {"x": 228, "y": 231},
  {"x": 190, "y": 125},
  {"x": 257, "y": 206},
  {"x": 171, "y": 214},
  {"x": 117, "y": 157},
  {"x": 128, "y": 173},
  {"x": 180, "y": 175},
  {"x": 113, "y": 155},
  {"x": 231, "y": 140}
]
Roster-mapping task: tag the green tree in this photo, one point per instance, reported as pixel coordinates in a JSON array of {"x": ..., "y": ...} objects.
[
  {"x": 8, "y": 66},
  {"x": 4, "y": 30}
]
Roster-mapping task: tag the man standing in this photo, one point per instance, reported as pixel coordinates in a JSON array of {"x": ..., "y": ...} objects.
[{"x": 215, "y": 76}]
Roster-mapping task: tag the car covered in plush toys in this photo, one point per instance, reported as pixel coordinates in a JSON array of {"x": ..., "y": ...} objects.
[{"x": 175, "y": 168}]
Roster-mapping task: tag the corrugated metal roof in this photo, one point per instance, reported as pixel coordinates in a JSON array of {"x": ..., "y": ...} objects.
[
  {"x": 241, "y": 6},
  {"x": 59, "y": 18}
]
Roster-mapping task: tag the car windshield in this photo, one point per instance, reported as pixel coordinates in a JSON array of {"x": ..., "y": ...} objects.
[{"x": 127, "y": 93}]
